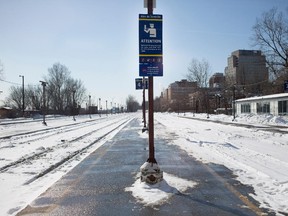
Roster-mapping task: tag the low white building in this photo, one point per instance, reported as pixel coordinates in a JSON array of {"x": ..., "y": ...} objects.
[{"x": 276, "y": 104}]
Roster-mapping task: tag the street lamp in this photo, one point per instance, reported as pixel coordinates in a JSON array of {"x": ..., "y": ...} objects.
[
  {"x": 111, "y": 108},
  {"x": 23, "y": 95},
  {"x": 90, "y": 106},
  {"x": 73, "y": 106},
  {"x": 44, "y": 101},
  {"x": 99, "y": 107}
]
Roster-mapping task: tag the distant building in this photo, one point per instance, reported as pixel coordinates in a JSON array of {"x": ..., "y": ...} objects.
[
  {"x": 179, "y": 89},
  {"x": 247, "y": 68},
  {"x": 217, "y": 81},
  {"x": 276, "y": 104},
  {"x": 176, "y": 96},
  {"x": 7, "y": 112}
]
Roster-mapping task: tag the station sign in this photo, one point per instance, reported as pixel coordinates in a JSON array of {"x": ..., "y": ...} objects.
[
  {"x": 150, "y": 45},
  {"x": 139, "y": 83}
]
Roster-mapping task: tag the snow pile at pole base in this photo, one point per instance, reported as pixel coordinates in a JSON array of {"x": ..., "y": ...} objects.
[
  {"x": 157, "y": 194},
  {"x": 151, "y": 173}
]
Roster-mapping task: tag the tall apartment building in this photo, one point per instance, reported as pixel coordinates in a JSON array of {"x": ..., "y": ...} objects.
[{"x": 247, "y": 69}]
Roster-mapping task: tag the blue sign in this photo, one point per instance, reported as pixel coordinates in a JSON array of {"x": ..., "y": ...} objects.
[
  {"x": 150, "y": 69},
  {"x": 286, "y": 86},
  {"x": 150, "y": 45},
  {"x": 139, "y": 83}
]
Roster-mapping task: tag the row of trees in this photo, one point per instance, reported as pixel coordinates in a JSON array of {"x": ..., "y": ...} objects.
[{"x": 63, "y": 93}]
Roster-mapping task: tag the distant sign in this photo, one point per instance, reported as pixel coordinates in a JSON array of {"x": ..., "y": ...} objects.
[
  {"x": 286, "y": 86},
  {"x": 139, "y": 83},
  {"x": 150, "y": 45}
]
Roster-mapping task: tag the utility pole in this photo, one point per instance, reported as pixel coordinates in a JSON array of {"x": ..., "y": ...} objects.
[
  {"x": 44, "y": 101},
  {"x": 23, "y": 95}
]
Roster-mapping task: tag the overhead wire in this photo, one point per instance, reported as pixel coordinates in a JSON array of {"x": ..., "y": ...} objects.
[{"x": 13, "y": 83}]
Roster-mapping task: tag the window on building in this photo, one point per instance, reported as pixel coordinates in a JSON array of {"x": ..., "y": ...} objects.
[
  {"x": 263, "y": 107},
  {"x": 245, "y": 108},
  {"x": 283, "y": 107}
]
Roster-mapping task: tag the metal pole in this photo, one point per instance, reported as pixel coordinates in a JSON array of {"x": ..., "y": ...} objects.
[
  {"x": 111, "y": 108},
  {"x": 144, "y": 105},
  {"x": 99, "y": 107},
  {"x": 234, "y": 102},
  {"x": 90, "y": 106},
  {"x": 151, "y": 158},
  {"x": 44, "y": 101},
  {"x": 73, "y": 106},
  {"x": 23, "y": 95}
]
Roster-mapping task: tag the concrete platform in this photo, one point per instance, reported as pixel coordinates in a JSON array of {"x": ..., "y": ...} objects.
[{"x": 97, "y": 185}]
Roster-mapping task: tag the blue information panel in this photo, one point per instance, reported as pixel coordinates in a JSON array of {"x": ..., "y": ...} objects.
[
  {"x": 150, "y": 45},
  {"x": 139, "y": 83},
  {"x": 150, "y": 69},
  {"x": 286, "y": 86}
]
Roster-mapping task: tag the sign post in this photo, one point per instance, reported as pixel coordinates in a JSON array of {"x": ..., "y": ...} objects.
[
  {"x": 142, "y": 84},
  {"x": 150, "y": 64}
]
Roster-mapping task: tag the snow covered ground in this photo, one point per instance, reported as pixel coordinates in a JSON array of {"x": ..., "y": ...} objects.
[
  {"x": 18, "y": 185},
  {"x": 257, "y": 157}
]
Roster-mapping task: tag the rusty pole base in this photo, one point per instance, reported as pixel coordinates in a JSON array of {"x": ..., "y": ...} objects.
[{"x": 151, "y": 173}]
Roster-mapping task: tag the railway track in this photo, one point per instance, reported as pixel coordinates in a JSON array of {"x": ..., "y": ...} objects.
[
  {"x": 42, "y": 131},
  {"x": 34, "y": 136},
  {"x": 63, "y": 151},
  {"x": 72, "y": 155}
]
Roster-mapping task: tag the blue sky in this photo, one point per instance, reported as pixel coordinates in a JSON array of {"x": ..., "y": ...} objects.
[{"x": 98, "y": 40}]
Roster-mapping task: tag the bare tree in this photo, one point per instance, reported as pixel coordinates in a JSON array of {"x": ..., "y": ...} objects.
[
  {"x": 271, "y": 35},
  {"x": 61, "y": 87},
  {"x": 57, "y": 76},
  {"x": 33, "y": 97},
  {"x": 132, "y": 104},
  {"x": 79, "y": 96},
  {"x": 199, "y": 72},
  {"x": 15, "y": 97}
]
